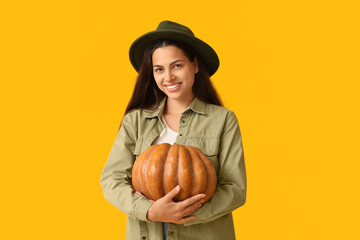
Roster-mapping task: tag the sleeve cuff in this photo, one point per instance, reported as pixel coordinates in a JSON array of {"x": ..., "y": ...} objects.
[{"x": 141, "y": 209}]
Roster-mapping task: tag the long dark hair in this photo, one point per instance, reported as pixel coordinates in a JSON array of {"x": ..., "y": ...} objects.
[{"x": 147, "y": 95}]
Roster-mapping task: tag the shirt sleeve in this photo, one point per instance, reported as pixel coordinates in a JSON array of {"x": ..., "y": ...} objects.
[
  {"x": 230, "y": 192},
  {"x": 116, "y": 175}
]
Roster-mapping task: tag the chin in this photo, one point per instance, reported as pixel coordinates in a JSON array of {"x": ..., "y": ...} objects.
[{"x": 173, "y": 96}]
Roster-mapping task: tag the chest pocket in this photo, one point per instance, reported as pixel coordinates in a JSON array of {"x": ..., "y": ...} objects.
[{"x": 141, "y": 145}]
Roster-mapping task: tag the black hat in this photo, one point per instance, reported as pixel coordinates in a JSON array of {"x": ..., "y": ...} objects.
[{"x": 177, "y": 32}]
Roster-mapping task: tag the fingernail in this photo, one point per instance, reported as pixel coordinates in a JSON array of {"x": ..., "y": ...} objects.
[{"x": 177, "y": 187}]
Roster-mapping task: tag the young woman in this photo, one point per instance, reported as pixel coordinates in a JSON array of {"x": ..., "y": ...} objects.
[{"x": 174, "y": 102}]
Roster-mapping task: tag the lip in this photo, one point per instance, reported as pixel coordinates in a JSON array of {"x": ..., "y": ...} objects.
[{"x": 173, "y": 89}]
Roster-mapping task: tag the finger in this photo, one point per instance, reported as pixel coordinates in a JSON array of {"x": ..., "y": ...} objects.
[
  {"x": 191, "y": 200},
  {"x": 184, "y": 220},
  {"x": 172, "y": 193},
  {"x": 190, "y": 209}
]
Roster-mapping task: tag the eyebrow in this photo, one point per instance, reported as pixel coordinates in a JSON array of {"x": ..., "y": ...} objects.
[{"x": 178, "y": 60}]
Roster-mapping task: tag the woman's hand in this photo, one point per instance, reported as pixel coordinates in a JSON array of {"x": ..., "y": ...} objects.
[{"x": 166, "y": 210}]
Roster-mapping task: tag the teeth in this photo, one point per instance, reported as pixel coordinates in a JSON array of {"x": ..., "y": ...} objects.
[{"x": 173, "y": 86}]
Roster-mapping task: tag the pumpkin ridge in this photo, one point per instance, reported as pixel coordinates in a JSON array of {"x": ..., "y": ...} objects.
[
  {"x": 199, "y": 177},
  {"x": 154, "y": 171},
  {"x": 163, "y": 177},
  {"x": 170, "y": 178},
  {"x": 177, "y": 173},
  {"x": 184, "y": 172},
  {"x": 192, "y": 170},
  {"x": 146, "y": 188},
  {"x": 138, "y": 166},
  {"x": 211, "y": 176},
  {"x": 136, "y": 179}
]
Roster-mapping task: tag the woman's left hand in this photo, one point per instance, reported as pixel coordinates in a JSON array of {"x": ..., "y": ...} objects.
[{"x": 166, "y": 210}]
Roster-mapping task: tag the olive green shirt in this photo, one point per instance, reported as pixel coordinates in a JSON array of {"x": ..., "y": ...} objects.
[{"x": 211, "y": 128}]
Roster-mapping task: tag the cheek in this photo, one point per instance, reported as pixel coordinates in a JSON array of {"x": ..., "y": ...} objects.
[
  {"x": 158, "y": 82},
  {"x": 191, "y": 84},
  {"x": 189, "y": 76},
  {"x": 191, "y": 80}
]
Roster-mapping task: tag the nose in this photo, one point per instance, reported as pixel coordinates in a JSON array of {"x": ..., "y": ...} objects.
[{"x": 169, "y": 75}]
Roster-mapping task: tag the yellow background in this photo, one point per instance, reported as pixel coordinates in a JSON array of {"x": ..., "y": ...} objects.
[{"x": 289, "y": 70}]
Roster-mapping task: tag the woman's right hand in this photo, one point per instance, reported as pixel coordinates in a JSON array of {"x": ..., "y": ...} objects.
[{"x": 166, "y": 210}]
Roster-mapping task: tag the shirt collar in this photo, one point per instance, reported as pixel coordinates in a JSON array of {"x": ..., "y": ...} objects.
[
  {"x": 157, "y": 111},
  {"x": 196, "y": 106}
]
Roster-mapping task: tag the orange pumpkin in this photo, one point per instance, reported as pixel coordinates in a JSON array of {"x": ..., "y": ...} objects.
[{"x": 162, "y": 167}]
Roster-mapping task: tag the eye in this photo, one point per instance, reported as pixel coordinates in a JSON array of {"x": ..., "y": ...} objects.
[
  {"x": 157, "y": 69},
  {"x": 177, "y": 65}
]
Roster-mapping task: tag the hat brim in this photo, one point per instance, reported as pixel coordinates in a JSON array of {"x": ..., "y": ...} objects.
[{"x": 203, "y": 50}]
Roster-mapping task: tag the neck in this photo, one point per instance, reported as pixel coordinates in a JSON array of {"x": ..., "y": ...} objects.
[{"x": 174, "y": 106}]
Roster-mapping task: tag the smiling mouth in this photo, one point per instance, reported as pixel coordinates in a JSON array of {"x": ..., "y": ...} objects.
[{"x": 172, "y": 86}]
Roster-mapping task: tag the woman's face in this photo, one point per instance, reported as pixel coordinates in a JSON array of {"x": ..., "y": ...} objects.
[{"x": 174, "y": 73}]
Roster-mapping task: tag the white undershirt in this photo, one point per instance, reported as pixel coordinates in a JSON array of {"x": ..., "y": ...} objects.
[{"x": 167, "y": 136}]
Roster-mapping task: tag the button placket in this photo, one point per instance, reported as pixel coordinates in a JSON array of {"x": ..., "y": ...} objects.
[
  {"x": 171, "y": 232},
  {"x": 183, "y": 123},
  {"x": 183, "y": 120},
  {"x": 144, "y": 234}
]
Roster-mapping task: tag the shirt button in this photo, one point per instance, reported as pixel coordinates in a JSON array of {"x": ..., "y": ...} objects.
[
  {"x": 183, "y": 121},
  {"x": 180, "y": 134},
  {"x": 171, "y": 232},
  {"x": 144, "y": 238}
]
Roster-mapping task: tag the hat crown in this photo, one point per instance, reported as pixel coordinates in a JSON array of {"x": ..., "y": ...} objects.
[
  {"x": 177, "y": 32},
  {"x": 173, "y": 26}
]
